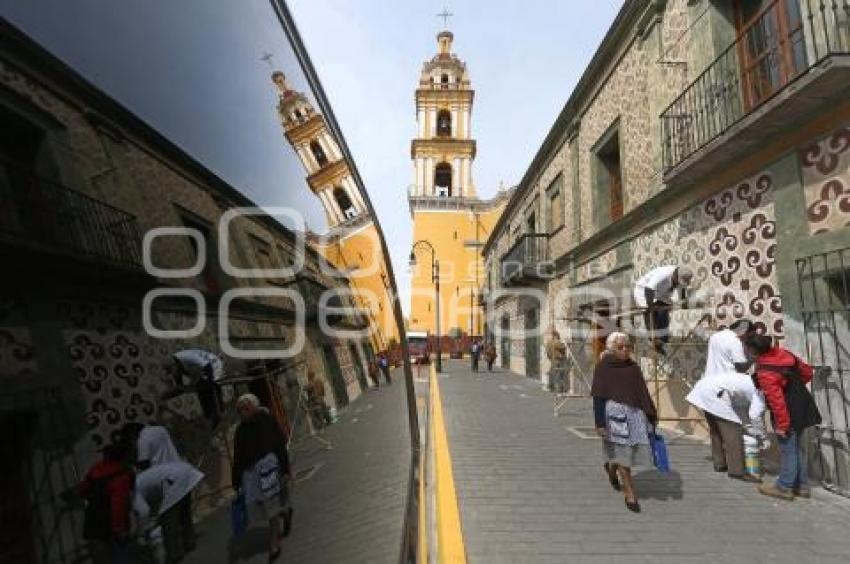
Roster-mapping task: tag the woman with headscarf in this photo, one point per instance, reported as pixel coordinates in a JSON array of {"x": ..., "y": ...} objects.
[
  {"x": 260, "y": 465},
  {"x": 623, "y": 411}
]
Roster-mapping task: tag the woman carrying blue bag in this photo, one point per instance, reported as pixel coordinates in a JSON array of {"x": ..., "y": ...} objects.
[
  {"x": 625, "y": 415},
  {"x": 261, "y": 473}
]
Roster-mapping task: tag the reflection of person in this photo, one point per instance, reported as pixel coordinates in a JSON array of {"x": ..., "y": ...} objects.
[
  {"x": 653, "y": 292},
  {"x": 152, "y": 444},
  {"x": 556, "y": 352},
  {"x": 166, "y": 488},
  {"x": 730, "y": 401},
  {"x": 315, "y": 390},
  {"x": 384, "y": 365},
  {"x": 490, "y": 354},
  {"x": 261, "y": 469},
  {"x": 623, "y": 411},
  {"x": 783, "y": 378},
  {"x": 373, "y": 374},
  {"x": 107, "y": 488}
]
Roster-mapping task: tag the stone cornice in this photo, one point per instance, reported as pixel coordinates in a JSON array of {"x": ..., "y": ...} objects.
[
  {"x": 306, "y": 131},
  {"x": 327, "y": 175},
  {"x": 438, "y": 147},
  {"x": 447, "y": 96}
]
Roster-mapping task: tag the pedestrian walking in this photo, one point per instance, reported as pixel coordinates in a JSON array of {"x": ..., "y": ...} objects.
[
  {"x": 384, "y": 365},
  {"x": 556, "y": 352},
  {"x": 316, "y": 405},
  {"x": 730, "y": 401},
  {"x": 373, "y": 374},
  {"x": 107, "y": 489},
  {"x": 261, "y": 469},
  {"x": 653, "y": 293},
  {"x": 475, "y": 353},
  {"x": 623, "y": 412},
  {"x": 490, "y": 354},
  {"x": 782, "y": 376},
  {"x": 164, "y": 493}
]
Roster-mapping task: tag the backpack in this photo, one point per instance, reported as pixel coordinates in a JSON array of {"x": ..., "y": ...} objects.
[
  {"x": 801, "y": 405},
  {"x": 97, "y": 524}
]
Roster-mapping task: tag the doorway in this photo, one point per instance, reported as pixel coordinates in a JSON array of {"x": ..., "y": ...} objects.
[
  {"x": 505, "y": 342},
  {"x": 335, "y": 375},
  {"x": 357, "y": 359},
  {"x": 532, "y": 343}
]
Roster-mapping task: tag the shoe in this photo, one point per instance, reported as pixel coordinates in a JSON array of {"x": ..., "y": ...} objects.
[
  {"x": 633, "y": 506},
  {"x": 720, "y": 469},
  {"x": 773, "y": 490},
  {"x": 612, "y": 478},
  {"x": 805, "y": 493},
  {"x": 747, "y": 478},
  {"x": 274, "y": 555}
]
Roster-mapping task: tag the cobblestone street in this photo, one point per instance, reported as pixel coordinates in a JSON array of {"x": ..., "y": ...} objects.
[
  {"x": 531, "y": 489},
  {"x": 352, "y": 507}
]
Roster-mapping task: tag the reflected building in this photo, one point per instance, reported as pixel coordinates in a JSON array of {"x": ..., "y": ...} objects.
[
  {"x": 351, "y": 242},
  {"x": 82, "y": 180},
  {"x": 444, "y": 203}
]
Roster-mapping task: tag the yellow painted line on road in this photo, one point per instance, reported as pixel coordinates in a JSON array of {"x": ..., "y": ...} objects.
[
  {"x": 450, "y": 545},
  {"x": 423, "y": 514}
]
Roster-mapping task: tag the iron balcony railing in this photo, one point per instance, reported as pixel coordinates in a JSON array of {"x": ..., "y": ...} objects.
[
  {"x": 527, "y": 259},
  {"x": 43, "y": 214},
  {"x": 787, "y": 39}
]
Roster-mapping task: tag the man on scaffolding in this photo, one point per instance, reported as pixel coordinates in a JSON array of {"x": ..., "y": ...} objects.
[{"x": 653, "y": 293}]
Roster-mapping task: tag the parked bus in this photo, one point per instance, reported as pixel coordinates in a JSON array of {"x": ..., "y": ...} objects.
[{"x": 417, "y": 347}]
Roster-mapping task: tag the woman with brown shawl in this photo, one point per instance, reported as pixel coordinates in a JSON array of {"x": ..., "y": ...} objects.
[{"x": 623, "y": 411}]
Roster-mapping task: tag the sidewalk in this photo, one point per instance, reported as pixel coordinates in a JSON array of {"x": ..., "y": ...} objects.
[
  {"x": 352, "y": 508},
  {"x": 532, "y": 489}
]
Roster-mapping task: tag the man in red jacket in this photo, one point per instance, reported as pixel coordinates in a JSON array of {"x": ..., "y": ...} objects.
[
  {"x": 107, "y": 488},
  {"x": 773, "y": 364}
]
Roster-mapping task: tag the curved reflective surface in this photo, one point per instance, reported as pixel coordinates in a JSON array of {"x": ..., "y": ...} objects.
[{"x": 198, "y": 283}]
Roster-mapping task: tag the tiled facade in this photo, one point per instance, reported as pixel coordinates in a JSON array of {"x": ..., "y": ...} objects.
[{"x": 741, "y": 227}]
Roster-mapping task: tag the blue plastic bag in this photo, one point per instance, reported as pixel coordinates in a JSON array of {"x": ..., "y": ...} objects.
[
  {"x": 238, "y": 515},
  {"x": 659, "y": 452}
]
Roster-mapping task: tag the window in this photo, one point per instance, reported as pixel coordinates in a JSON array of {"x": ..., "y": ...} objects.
[
  {"x": 207, "y": 277},
  {"x": 344, "y": 203},
  {"x": 609, "y": 178},
  {"x": 298, "y": 115},
  {"x": 319, "y": 153},
  {"x": 444, "y": 123},
  {"x": 555, "y": 201},
  {"x": 443, "y": 179},
  {"x": 444, "y": 80}
]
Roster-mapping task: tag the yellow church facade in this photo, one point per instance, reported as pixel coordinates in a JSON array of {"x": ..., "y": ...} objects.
[
  {"x": 446, "y": 212},
  {"x": 351, "y": 244}
]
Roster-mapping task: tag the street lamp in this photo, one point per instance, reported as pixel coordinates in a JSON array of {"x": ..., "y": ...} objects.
[{"x": 435, "y": 278}]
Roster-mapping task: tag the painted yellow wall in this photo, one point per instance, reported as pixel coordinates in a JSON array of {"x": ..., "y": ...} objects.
[
  {"x": 447, "y": 231},
  {"x": 361, "y": 250}
]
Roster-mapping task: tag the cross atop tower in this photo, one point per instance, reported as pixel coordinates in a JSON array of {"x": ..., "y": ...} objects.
[{"x": 445, "y": 14}]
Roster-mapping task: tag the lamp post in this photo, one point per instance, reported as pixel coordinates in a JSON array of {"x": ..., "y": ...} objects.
[{"x": 435, "y": 278}]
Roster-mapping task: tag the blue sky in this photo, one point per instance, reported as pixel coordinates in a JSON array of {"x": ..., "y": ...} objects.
[
  {"x": 192, "y": 70},
  {"x": 524, "y": 58}
]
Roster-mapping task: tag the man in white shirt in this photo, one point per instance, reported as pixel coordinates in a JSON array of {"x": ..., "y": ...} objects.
[
  {"x": 654, "y": 292},
  {"x": 726, "y": 350}
]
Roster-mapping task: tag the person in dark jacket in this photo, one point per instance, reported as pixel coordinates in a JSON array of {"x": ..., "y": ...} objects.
[
  {"x": 624, "y": 412},
  {"x": 258, "y": 435},
  {"x": 108, "y": 489},
  {"x": 384, "y": 365},
  {"x": 775, "y": 368}
]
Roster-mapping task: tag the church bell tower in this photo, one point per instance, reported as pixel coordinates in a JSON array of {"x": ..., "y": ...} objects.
[
  {"x": 443, "y": 150},
  {"x": 328, "y": 174}
]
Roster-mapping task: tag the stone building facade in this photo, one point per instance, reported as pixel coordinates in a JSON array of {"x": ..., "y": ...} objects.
[
  {"x": 687, "y": 142},
  {"x": 82, "y": 181}
]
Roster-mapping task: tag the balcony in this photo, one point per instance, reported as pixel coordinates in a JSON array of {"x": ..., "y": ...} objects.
[
  {"x": 527, "y": 262},
  {"x": 43, "y": 216},
  {"x": 784, "y": 65}
]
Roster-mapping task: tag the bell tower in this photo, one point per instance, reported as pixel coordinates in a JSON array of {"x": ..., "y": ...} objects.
[
  {"x": 328, "y": 174},
  {"x": 443, "y": 150}
]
